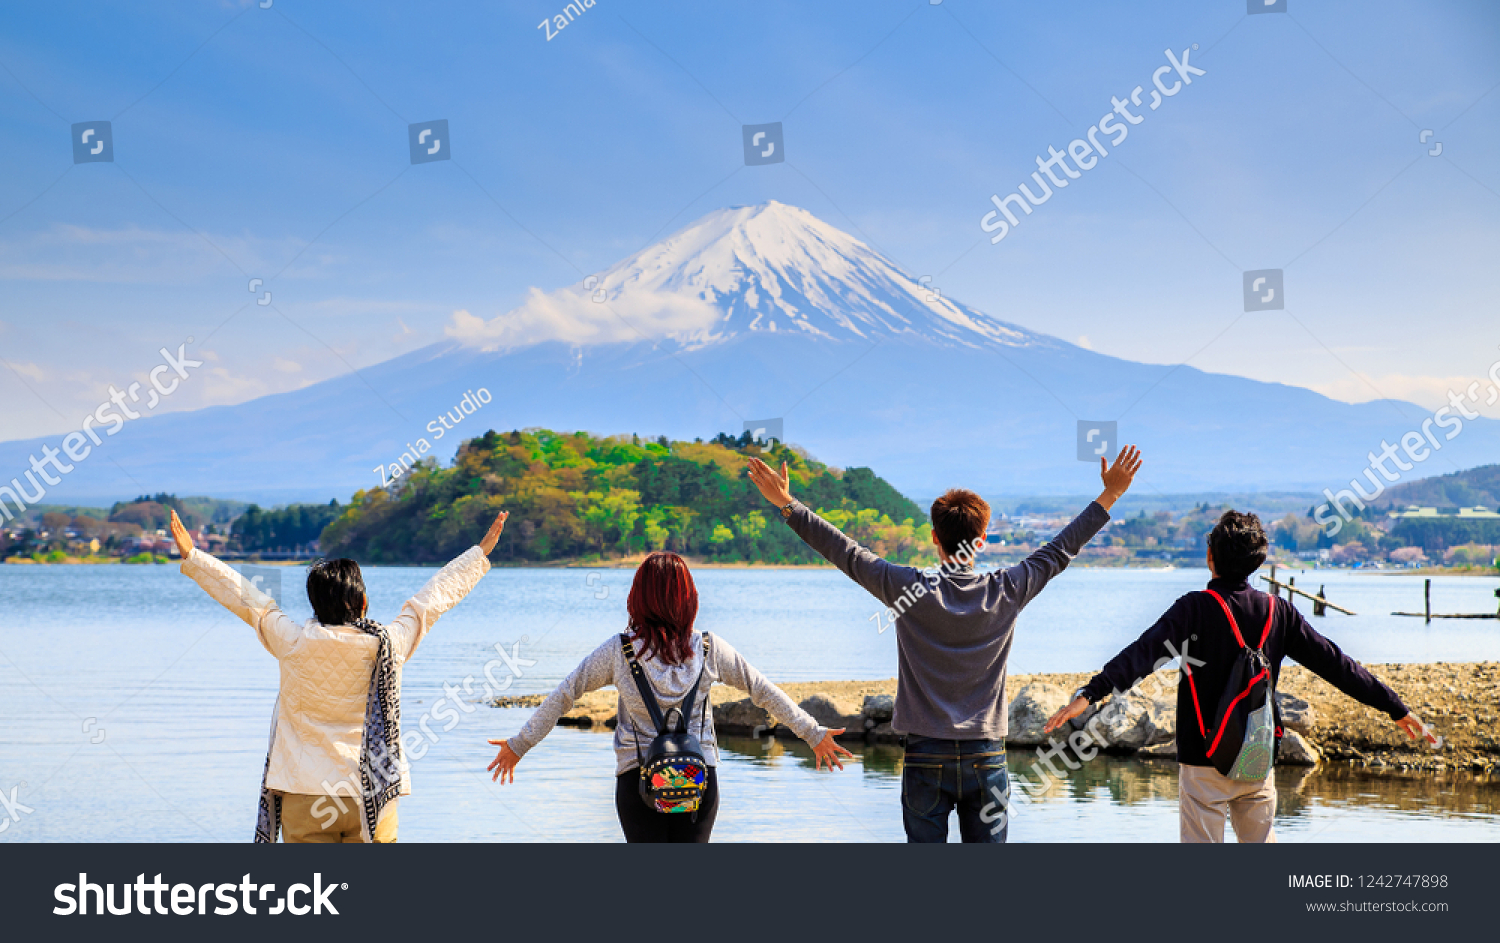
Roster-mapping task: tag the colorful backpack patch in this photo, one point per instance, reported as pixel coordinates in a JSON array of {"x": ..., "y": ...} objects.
[{"x": 674, "y": 773}]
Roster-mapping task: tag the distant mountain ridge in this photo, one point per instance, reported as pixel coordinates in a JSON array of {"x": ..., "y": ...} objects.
[
  {"x": 1474, "y": 487},
  {"x": 765, "y": 312}
]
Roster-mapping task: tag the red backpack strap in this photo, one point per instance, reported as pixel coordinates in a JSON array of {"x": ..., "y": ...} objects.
[
  {"x": 1270, "y": 618},
  {"x": 1193, "y": 688},
  {"x": 1235, "y": 626}
]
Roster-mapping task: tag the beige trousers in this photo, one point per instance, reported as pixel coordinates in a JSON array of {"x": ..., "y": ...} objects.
[
  {"x": 1205, "y": 795},
  {"x": 304, "y": 820}
]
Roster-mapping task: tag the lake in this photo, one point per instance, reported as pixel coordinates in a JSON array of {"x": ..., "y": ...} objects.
[{"x": 135, "y": 709}]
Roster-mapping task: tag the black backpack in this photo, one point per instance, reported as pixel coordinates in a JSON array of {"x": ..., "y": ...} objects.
[
  {"x": 674, "y": 773},
  {"x": 1242, "y": 742}
]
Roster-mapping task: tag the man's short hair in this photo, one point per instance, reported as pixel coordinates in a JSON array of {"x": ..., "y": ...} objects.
[
  {"x": 959, "y": 518},
  {"x": 1239, "y": 545}
]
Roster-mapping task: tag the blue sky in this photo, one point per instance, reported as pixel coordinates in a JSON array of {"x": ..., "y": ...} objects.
[{"x": 278, "y": 150}]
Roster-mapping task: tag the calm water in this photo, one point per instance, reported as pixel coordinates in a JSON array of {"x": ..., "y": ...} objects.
[{"x": 132, "y": 708}]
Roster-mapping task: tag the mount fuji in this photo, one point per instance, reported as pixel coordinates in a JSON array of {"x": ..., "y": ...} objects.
[{"x": 761, "y": 312}]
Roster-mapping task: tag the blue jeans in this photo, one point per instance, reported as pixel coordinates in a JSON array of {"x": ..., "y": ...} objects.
[{"x": 941, "y": 775}]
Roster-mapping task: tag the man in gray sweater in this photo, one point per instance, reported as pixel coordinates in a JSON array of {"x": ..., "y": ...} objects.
[{"x": 953, "y": 633}]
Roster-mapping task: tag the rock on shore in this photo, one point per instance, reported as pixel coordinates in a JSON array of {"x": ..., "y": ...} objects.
[{"x": 1459, "y": 701}]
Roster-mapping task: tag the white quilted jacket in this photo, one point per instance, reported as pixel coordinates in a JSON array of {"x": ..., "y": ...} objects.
[{"x": 326, "y": 670}]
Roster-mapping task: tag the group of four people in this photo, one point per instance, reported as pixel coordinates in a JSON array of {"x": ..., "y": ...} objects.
[{"x": 335, "y": 768}]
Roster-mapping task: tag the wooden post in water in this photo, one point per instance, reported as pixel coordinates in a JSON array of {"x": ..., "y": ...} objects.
[
  {"x": 1275, "y": 587},
  {"x": 1320, "y": 606},
  {"x": 1427, "y": 599}
]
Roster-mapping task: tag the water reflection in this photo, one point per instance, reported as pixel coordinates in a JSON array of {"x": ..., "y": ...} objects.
[
  {"x": 1124, "y": 799},
  {"x": 1452, "y": 794}
]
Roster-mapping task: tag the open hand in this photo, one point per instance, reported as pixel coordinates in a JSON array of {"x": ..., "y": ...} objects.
[
  {"x": 774, "y": 488},
  {"x": 180, "y": 534},
  {"x": 493, "y": 537},
  {"x": 1118, "y": 477},
  {"x": 1417, "y": 730},
  {"x": 1074, "y": 708},
  {"x": 828, "y": 751},
  {"x": 505, "y": 763}
]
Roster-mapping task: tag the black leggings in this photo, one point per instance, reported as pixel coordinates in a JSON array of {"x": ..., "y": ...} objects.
[{"x": 640, "y": 823}]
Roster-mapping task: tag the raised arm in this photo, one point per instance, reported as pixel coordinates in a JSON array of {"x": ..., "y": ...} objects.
[
  {"x": 1031, "y": 575},
  {"x": 595, "y": 672},
  {"x": 882, "y": 579},
  {"x": 275, "y": 629},
  {"x": 444, "y": 591},
  {"x": 736, "y": 672}
]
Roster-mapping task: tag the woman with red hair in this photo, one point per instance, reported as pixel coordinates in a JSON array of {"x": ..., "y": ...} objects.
[{"x": 661, "y": 655}]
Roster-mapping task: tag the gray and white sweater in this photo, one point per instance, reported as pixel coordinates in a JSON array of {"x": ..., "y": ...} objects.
[{"x": 607, "y": 666}]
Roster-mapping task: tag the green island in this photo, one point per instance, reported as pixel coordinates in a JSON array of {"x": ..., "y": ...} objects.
[{"x": 580, "y": 497}]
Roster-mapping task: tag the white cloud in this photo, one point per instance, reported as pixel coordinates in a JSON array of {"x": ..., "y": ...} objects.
[
  {"x": 566, "y": 315},
  {"x": 285, "y": 366},
  {"x": 31, "y": 370},
  {"x": 220, "y": 386},
  {"x": 1426, "y": 391}
]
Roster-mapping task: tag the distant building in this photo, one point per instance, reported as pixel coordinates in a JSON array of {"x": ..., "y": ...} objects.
[{"x": 1478, "y": 512}]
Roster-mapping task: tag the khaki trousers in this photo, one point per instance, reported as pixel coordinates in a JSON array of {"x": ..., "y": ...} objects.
[
  {"x": 1205, "y": 795},
  {"x": 305, "y": 820}
]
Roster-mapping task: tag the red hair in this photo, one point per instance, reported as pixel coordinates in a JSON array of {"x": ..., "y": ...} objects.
[{"x": 663, "y": 604}]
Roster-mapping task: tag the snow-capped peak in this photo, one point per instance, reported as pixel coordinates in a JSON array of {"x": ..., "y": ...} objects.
[{"x": 769, "y": 268}]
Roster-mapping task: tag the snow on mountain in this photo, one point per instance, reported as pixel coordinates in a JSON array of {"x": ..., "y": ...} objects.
[
  {"x": 769, "y": 268},
  {"x": 751, "y": 313}
]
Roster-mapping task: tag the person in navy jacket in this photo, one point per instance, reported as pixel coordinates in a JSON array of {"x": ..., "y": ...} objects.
[{"x": 1198, "y": 629}]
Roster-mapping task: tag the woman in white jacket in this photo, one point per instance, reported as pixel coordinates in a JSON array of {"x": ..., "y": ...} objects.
[{"x": 334, "y": 769}]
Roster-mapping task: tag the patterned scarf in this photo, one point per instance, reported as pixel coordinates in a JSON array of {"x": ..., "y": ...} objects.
[{"x": 380, "y": 753}]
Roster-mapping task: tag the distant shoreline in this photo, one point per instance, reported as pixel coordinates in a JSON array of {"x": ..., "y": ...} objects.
[{"x": 630, "y": 563}]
